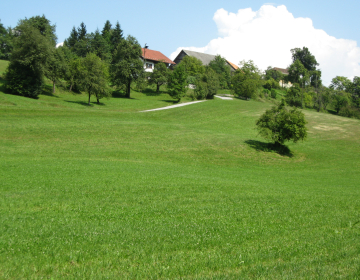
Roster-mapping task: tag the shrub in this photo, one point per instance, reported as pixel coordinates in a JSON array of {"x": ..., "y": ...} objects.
[
  {"x": 271, "y": 84},
  {"x": 279, "y": 125},
  {"x": 273, "y": 93},
  {"x": 293, "y": 96},
  {"x": 350, "y": 112}
]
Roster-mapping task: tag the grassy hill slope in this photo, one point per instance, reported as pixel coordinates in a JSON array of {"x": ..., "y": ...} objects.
[{"x": 107, "y": 191}]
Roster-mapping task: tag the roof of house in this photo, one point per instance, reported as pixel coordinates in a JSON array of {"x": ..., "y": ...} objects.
[
  {"x": 206, "y": 58},
  {"x": 155, "y": 56},
  {"x": 203, "y": 57},
  {"x": 282, "y": 70},
  {"x": 234, "y": 66}
]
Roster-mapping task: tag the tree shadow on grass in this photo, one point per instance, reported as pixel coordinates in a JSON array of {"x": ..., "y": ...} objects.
[
  {"x": 2, "y": 84},
  {"x": 120, "y": 94},
  {"x": 84, "y": 103},
  {"x": 151, "y": 92},
  {"x": 47, "y": 90},
  {"x": 270, "y": 148},
  {"x": 171, "y": 101}
]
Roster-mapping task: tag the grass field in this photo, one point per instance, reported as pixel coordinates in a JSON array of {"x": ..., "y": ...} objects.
[{"x": 105, "y": 191}]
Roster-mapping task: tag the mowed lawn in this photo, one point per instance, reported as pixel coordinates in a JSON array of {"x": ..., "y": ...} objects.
[{"x": 189, "y": 193}]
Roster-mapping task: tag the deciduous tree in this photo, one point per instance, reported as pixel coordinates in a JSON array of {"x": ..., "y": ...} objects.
[
  {"x": 246, "y": 80},
  {"x": 280, "y": 125},
  {"x": 177, "y": 86},
  {"x": 94, "y": 77},
  {"x": 28, "y": 61},
  {"x": 127, "y": 65},
  {"x": 159, "y": 76}
]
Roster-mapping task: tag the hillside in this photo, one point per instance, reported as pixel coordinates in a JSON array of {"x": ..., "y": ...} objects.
[{"x": 192, "y": 192}]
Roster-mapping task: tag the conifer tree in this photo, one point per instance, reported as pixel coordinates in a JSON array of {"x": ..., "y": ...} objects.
[
  {"x": 116, "y": 37},
  {"x": 82, "y": 31}
]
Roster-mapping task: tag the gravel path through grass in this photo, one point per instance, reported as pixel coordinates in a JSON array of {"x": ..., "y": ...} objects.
[{"x": 173, "y": 106}]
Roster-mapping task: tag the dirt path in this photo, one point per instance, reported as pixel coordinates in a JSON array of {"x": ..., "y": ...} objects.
[{"x": 173, "y": 106}]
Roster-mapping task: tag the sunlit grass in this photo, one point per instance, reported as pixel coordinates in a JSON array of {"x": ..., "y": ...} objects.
[{"x": 104, "y": 191}]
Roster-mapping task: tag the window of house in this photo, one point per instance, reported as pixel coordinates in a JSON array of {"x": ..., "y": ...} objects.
[{"x": 149, "y": 66}]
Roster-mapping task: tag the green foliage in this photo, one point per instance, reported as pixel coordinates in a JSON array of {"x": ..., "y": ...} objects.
[
  {"x": 116, "y": 37},
  {"x": 177, "y": 85},
  {"x": 192, "y": 66},
  {"x": 200, "y": 91},
  {"x": 354, "y": 89},
  {"x": 6, "y": 44},
  {"x": 349, "y": 111},
  {"x": 73, "y": 73},
  {"x": 294, "y": 96},
  {"x": 82, "y": 32},
  {"x": 246, "y": 80},
  {"x": 73, "y": 39},
  {"x": 206, "y": 85},
  {"x": 271, "y": 84},
  {"x": 106, "y": 32},
  {"x": 42, "y": 24},
  {"x": 279, "y": 125},
  {"x": 322, "y": 98},
  {"x": 273, "y": 93},
  {"x": 100, "y": 47},
  {"x": 222, "y": 69},
  {"x": 28, "y": 62},
  {"x": 56, "y": 66},
  {"x": 94, "y": 77},
  {"x": 159, "y": 76},
  {"x": 271, "y": 73},
  {"x": 308, "y": 99},
  {"x": 307, "y": 73},
  {"x": 340, "y": 99},
  {"x": 127, "y": 66},
  {"x": 298, "y": 74},
  {"x": 305, "y": 57}
]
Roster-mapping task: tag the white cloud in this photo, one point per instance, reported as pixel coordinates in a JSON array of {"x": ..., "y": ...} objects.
[
  {"x": 60, "y": 44},
  {"x": 266, "y": 36}
]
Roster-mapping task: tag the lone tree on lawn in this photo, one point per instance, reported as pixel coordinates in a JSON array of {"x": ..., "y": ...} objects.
[
  {"x": 159, "y": 76},
  {"x": 279, "y": 125},
  {"x": 94, "y": 77}
]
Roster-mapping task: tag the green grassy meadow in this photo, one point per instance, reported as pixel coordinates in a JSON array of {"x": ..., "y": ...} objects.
[{"x": 106, "y": 191}]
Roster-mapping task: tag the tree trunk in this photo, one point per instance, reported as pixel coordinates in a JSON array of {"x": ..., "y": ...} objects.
[
  {"x": 98, "y": 102},
  {"x": 70, "y": 88},
  {"x": 89, "y": 99},
  {"x": 54, "y": 87},
  {"x": 157, "y": 88},
  {"x": 128, "y": 89}
]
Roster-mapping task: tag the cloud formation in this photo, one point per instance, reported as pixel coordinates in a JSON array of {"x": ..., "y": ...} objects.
[
  {"x": 59, "y": 44},
  {"x": 266, "y": 36}
]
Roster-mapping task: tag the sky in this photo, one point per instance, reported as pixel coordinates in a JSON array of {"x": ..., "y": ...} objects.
[{"x": 236, "y": 29}]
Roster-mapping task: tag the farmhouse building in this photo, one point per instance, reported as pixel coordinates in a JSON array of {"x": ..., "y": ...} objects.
[
  {"x": 284, "y": 72},
  {"x": 203, "y": 57},
  {"x": 151, "y": 57}
]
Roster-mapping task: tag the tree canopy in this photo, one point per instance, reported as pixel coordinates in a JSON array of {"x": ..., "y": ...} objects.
[
  {"x": 160, "y": 75},
  {"x": 222, "y": 69},
  {"x": 280, "y": 125},
  {"x": 127, "y": 65},
  {"x": 94, "y": 77},
  {"x": 305, "y": 72},
  {"x": 28, "y": 61},
  {"x": 246, "y": 79}
]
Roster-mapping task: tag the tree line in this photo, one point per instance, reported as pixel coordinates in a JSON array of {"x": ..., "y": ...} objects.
[
  {"x": 96, "y": 63},
  {"x": 306, "y": 90},
  {"x": 103, "y": 61}
]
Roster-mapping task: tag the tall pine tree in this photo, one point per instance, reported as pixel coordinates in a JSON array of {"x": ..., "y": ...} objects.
[{"x": 116, "y": 37}]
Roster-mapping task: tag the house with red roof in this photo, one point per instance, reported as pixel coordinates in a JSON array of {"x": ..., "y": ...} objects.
[{"x": 151, "y": 57}]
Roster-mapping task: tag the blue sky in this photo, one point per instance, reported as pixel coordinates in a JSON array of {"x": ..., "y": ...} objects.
[{"x": 166, "y": 25}]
